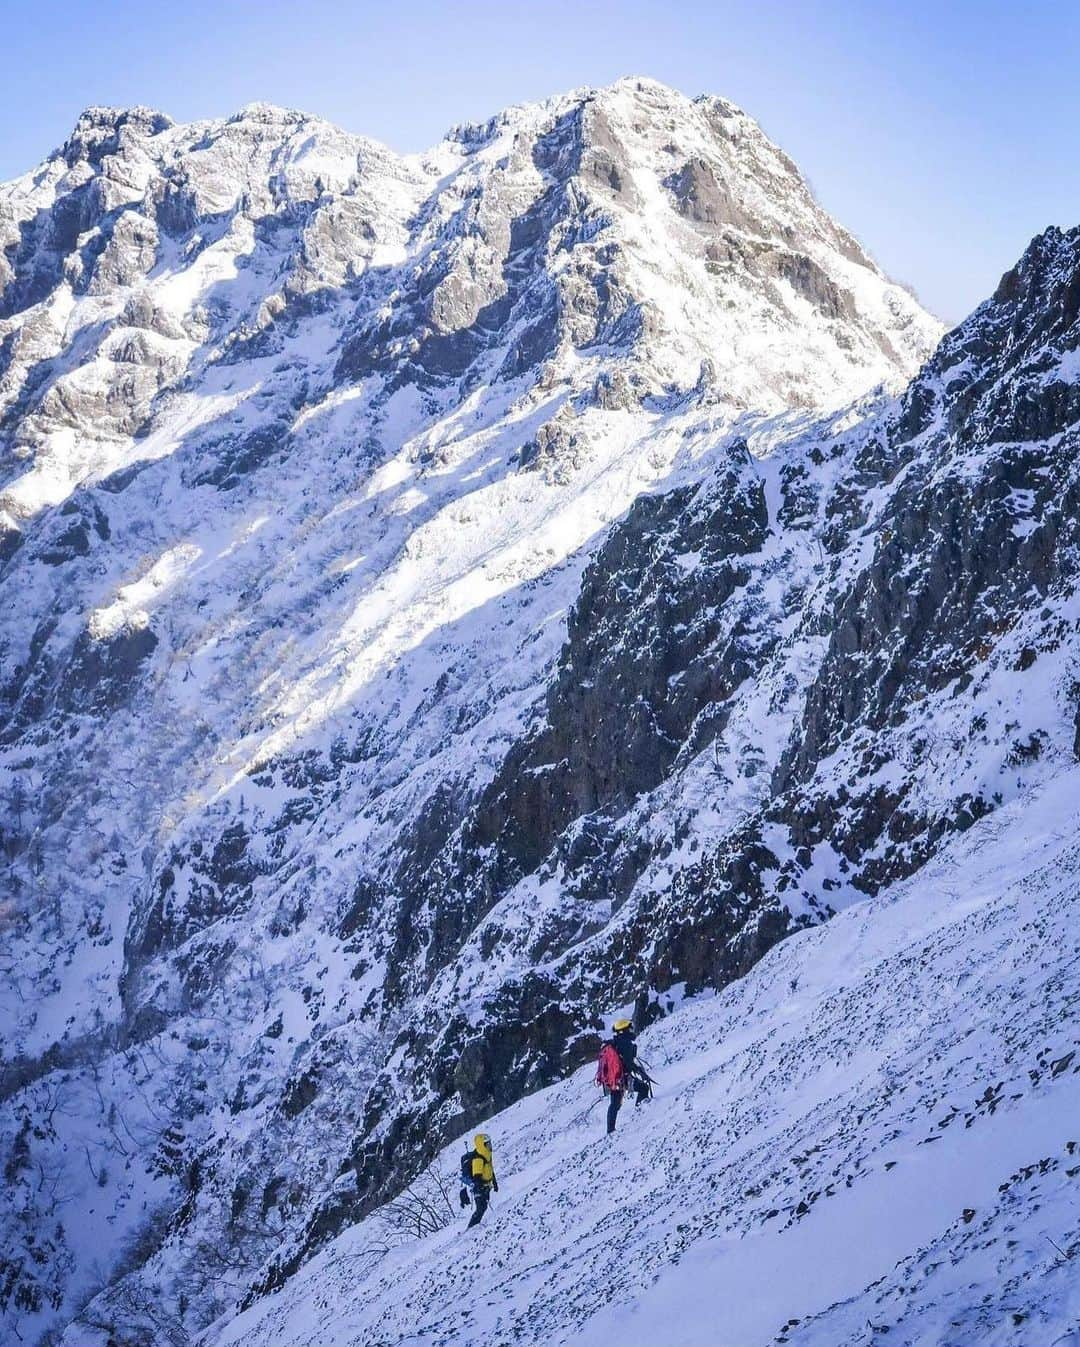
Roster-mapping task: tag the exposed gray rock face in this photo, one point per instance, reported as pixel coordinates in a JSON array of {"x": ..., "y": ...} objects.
[
  {"x": 438, "y": 620},
  {"x": 917, "y": 637},
  {"x": 701, "y": 198}
]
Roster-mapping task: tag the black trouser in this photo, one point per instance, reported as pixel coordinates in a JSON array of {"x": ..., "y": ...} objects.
[
  {"x": 641, "y": 1092},
  {"x": 481, "y": 1198}
]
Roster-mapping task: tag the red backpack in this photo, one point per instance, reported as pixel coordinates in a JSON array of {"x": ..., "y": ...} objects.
[{"x": 609, "y": 1069}]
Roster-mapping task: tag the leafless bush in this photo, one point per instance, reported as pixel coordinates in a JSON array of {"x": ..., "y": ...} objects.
[
  {"x": 133, "y": 1317},
  {"x": 144, "y": 1242},
  {"x": 424, "y": 1208}
]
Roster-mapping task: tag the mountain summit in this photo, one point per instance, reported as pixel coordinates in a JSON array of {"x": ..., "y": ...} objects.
[
  {"x": 624, "y": 223},
  {"x": 451, "y": 598}
]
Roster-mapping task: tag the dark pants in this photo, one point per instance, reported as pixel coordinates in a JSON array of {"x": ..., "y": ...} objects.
[
  {"x": 641, "y": 1093},
  {"x": 481, "y": 1198}
]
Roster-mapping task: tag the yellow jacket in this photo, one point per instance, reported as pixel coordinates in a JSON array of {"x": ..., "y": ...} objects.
[{"x": 481, "y": 1169}]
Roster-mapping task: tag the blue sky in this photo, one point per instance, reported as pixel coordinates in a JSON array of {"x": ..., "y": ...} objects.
[{"x": 944, "y": 135}]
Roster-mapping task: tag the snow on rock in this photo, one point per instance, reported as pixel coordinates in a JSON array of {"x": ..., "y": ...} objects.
[
  {"x": 876, "y": 1126},
  {"x": 449, "y": 595}
]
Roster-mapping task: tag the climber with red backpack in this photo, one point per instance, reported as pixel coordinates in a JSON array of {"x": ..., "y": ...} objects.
[{"x": 617, "y": 1070}]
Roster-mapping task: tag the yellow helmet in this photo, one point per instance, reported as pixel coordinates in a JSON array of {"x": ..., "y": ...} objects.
[{"x": 620, "y": 1025}]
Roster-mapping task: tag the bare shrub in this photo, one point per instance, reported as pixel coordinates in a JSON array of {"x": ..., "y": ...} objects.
[{"x": 425, "y": 1207}]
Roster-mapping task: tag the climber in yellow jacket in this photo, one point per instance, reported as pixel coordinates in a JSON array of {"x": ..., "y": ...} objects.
[{"x": 478, "y": 1177}]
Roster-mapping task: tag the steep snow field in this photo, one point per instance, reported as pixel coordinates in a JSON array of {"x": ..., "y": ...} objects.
[{"x": 876, "y": 1132}]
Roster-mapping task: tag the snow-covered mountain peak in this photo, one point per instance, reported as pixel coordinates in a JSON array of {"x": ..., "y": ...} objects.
[
  {"x": 665, "y": 230},
  {"x": 627, "y": 226},
  {"x": 102, "y": 131},
  {"x": 449, "y": 594},
  {"x": 274, "y": 114}
]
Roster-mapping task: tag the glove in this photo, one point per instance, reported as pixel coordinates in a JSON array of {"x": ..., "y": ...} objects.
[
  {"x": 464, "y": 1197},
  {"x": 495, "y": 1185}
]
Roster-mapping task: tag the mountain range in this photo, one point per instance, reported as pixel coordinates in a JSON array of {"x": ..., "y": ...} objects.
[{"x": 453, "y": 599}]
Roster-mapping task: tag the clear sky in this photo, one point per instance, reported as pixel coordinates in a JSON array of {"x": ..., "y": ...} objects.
[{"x": 944, "y": 135}]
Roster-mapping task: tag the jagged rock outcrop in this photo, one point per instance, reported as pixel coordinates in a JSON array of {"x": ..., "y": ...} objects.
[
  {"x": 437, "y": 620},
  {"x": 703, "y": 617}
]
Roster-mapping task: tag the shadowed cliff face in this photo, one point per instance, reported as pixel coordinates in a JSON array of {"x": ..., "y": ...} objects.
[
  {"x": 437, "y": 621},
  {"x": 901, "y": 612},
  {"x": 907, "y": 1068}
]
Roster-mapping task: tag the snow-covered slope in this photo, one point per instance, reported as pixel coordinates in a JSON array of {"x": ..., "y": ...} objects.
[
  {"x": 448, "y": 596},
  {"x": 874, "y": 1132}
]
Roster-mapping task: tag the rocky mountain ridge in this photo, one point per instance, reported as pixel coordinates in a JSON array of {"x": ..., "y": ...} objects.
[{"x": 454, "y": 596}]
